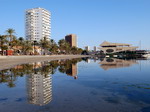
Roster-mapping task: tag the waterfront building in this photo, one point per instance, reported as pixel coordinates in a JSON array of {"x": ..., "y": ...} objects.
[
  {"x": 37, "y": 24},
  {"x": 108, "y": 47},
  {"x": 71, "y": 39},
  {"x": 39, "y": 87},
  {"x": 87, "y": 48}
]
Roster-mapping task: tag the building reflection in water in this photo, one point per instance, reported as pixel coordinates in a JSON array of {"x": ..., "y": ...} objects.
[
  {"x": 111, "y": 63},
  {"x": 72, "y": 71},
  {"x": 69, "y": 67},
  {"x": 39, "y": 86},
  {"x": 88, "y": 60},
  {"x": 39, "y": 78}
]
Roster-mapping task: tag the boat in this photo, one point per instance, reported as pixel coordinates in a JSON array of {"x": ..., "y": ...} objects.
[{"x": 147, "y": 55}]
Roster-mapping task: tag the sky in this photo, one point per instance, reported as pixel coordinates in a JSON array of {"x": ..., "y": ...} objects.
[{"x": 93, "y": 21}]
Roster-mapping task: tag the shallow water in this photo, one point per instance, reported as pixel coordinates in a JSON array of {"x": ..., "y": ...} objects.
[{"x": 78, "y": 85}]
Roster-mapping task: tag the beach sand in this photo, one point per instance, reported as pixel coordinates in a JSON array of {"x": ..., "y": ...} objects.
[{"x": 11, "y": 61}]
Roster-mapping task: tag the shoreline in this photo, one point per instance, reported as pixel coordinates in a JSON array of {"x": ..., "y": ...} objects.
[{"x": 7, "y": 62}]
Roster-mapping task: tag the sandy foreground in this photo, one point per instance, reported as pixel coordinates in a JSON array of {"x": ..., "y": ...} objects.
[{"x": 11, "y": 61}]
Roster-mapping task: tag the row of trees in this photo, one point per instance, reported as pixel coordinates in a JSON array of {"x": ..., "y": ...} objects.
[{"x": 22, "y": 46}]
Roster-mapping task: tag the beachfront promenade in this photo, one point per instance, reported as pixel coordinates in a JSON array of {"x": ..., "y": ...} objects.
[{"x": 11, "y": 61}]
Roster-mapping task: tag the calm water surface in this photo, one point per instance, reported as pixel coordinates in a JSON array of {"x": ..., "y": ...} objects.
[{"x": 78, "y": 85}]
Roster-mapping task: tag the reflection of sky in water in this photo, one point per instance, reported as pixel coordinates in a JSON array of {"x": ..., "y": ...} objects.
[{"x": 96, "y": 90}]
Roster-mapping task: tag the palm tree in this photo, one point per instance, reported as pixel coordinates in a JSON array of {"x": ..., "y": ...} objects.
[
  {"x": 61, "y": 42},
  {"x": 53, "y": 47},
  {"x": 45, "y": 44},
  {"x": 14, "y": 44},
  {"x": 21, "y": 43},
  {"x": 10, "y": 33},
  {"x": 52, "y": 41},
  {"x": 27, "y": 47}
]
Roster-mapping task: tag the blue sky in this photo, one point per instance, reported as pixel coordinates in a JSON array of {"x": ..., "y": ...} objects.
[{"x": 124, "y": 21}]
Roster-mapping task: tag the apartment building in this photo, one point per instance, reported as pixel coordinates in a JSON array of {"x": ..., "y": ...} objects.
[
  {"x": 37, "y": 24},
  {"x": 71, "y": 39}
]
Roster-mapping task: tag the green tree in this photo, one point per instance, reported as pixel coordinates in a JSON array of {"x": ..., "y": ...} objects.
[
  {"x": 27, "y": 47},
  {"x": 45, "y": 44},
  {"x": 79, "y": 51},
  {"x": 21, "y": 39},
  {"x": 53, "y": 47},
  {"x": 10, "y": 33},
  {"x": 21, "y": 43},
  {"x": 74, "y": 50},
  {"x": 15, "y": 44},
  {"x": 3, "y": 43},
  {"x": 64, "y": 46}
]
